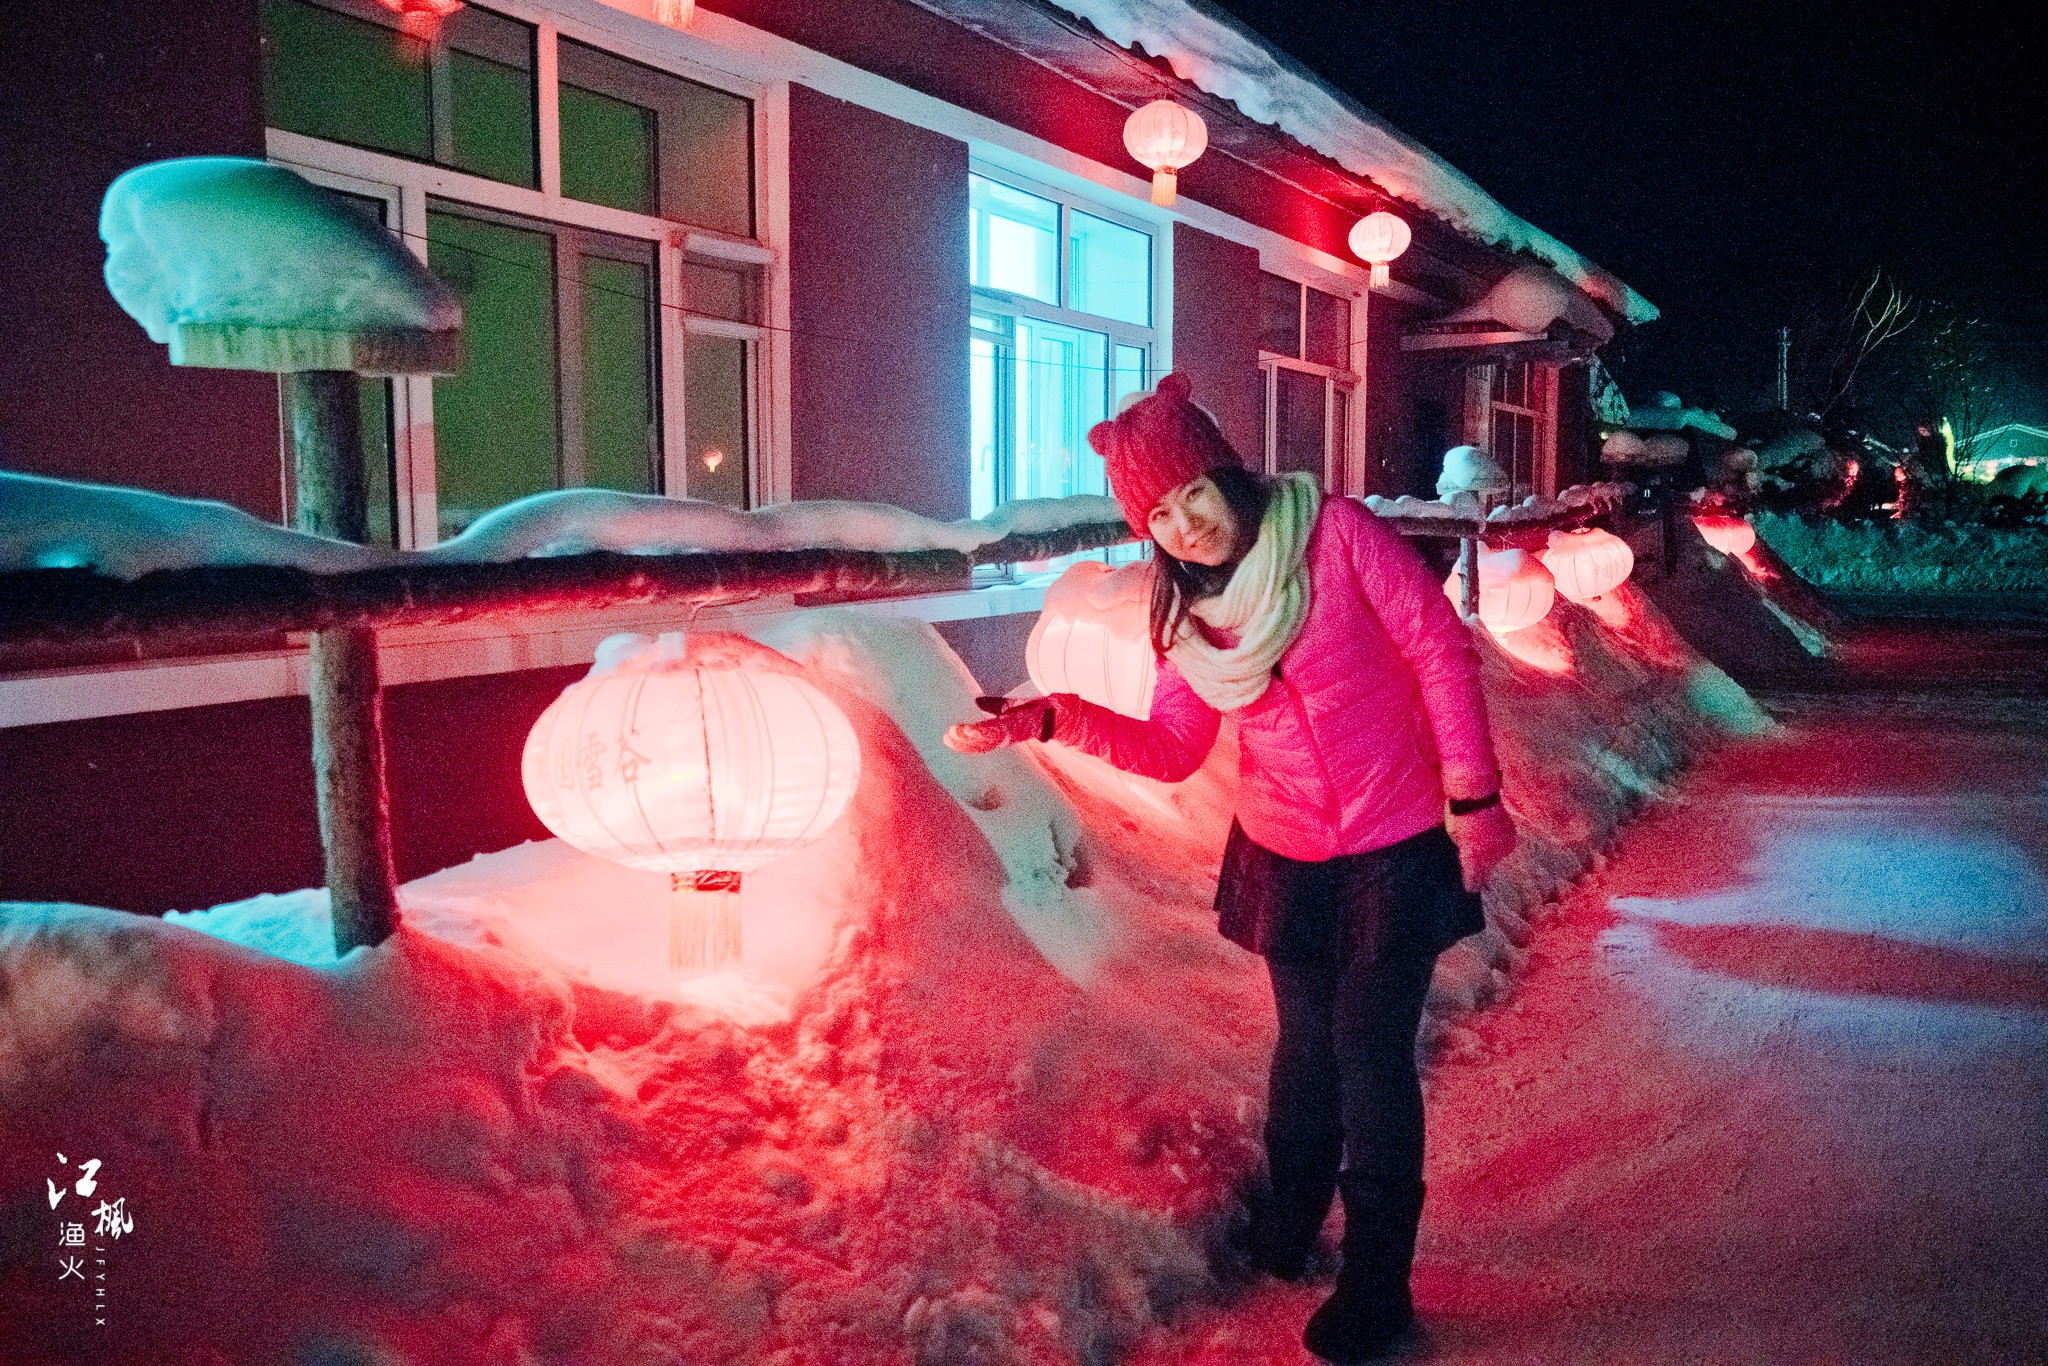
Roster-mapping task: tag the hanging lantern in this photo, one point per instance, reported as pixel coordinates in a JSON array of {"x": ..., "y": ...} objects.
[
  {"x": 1588, "y": 563},
  {"x": 1515, "y": 590},
  {"x": 421, "y": 18},
  {"x": 1092, "y": 639},
  {"x": 1165, "y": 137},
  {"x": 1378, "y": 238},
  {"x": 1729, "y": 535},
  {"x": 693, "y": 762},
  {"x": 675, "y": 13}
]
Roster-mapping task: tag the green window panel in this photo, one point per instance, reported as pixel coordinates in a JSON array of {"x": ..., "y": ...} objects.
[
  {"x": 621, "y": 432},
  {"x": 643, "y": 140},
  {"x": 608, "y": 151},
  {"x": 330, "y": 75},
  {"x": 497, "y": 434}
]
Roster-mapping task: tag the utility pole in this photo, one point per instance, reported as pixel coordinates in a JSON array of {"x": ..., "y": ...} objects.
[{"x": 1784, "y": 369}]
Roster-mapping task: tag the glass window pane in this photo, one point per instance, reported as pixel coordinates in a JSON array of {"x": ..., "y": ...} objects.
[
  {"x": 1128, "y": 376},
  {"x": 634, "y": 137},
  {"x": 983, "y": 357},
  {"x": 1061, "y": 387},
  {"x": 496, "y": 426},
  {"x": 346, "y": 79},
  {"x": 715, "y": 429},
  {"x": 1013, "y": 240},
  {"x": 621, "y": 431},
  {"x": 1298, "y": 423},
  {"x": 490, "y": 115},
  {"x": 1111, "y": 267},
  {"x": 1340, "y": 429},
  {"x": 1279, "y": 316},
  {"x": 375, "y": 416},
  {"x": 1329, "y": 330},
  {"x": 613, "y": 160},
  {"x": 721, "y": 291}
]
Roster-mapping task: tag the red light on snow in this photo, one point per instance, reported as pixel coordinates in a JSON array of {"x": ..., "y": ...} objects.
[{"x": 1729, "y": 535}]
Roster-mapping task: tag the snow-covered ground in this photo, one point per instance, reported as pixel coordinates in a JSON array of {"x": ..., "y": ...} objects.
[
  {"x": 1909, "y": 557},
  {"x": 983, "y": 1093},
  {"x": 1770, "y": 1089}
]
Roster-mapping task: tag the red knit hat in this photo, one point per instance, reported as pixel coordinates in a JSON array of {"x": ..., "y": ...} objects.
[{"x": 1156, "y": 445}]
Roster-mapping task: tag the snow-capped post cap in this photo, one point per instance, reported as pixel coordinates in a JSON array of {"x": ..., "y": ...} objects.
[
  {"x": 241, "y": 265},
  {"x": 1469, "y": 469}
]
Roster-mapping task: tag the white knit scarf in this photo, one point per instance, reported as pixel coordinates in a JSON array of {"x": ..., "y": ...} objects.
[{"x": 1264, "y": 604}]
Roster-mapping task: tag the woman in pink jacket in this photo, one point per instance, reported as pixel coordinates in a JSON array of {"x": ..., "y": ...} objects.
[{"x": 1367, "y": 779}]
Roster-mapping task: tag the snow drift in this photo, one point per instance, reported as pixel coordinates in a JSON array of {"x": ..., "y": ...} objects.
[
  {"x": 985, "y": 1090},
  {"x": 1909, "y": 557}
]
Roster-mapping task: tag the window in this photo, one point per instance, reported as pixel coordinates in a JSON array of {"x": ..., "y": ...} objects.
[
  {"x": 612, "y": 332},
  {"x": 1514, "y": 401},
  {"x": 1062, "y": 330},
  {"x": 1305, "y": 356}
]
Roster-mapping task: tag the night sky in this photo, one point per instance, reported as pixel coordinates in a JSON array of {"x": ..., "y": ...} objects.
[{"x": 1733, "y": 161}]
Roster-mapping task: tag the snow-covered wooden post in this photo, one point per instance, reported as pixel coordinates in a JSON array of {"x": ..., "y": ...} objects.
[
  {"x": 1470, "y": 471},
  {"x": 242, "y": 265}
]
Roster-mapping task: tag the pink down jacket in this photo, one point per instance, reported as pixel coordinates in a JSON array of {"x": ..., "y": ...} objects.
[{"x": 1374, "y": 710}]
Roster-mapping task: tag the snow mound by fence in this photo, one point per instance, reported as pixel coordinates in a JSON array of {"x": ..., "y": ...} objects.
[
  {"x": 1909, "y": 557},
  {"x": 986, "y": 1090}
]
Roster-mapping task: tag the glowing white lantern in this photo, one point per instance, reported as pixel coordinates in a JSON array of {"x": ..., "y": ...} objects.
[
  {"x": 1379, "y": 238},
  {"x": 695, "y": 762},
  {"x": 1515, "y": 590},
  {"x": 1729, "y": 535},
  {"x": 1588, "y": 563},
  {"x": 1092, "y": 638},
  {"x": 1165, "y": 137}
]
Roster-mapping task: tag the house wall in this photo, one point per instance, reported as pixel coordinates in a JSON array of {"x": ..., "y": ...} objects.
[
  {"x": 91, "y": 90},
  {"x": 878, "y": 307},
  {"x": 1216, "y": 332}
]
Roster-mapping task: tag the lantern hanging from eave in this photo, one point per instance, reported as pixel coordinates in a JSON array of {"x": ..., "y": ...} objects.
[
  {"x": 1588, "y": 563},
  {"x": 1378, "y": 239},
  {"x": 1515, "y": 590},
  {"x": 1727, "y": 534},
  {"x": 693, "y": 761},
  {"x": 422, "y": 18},
  {"x": 675, "y": 13},
  {"x": 1165, "y": 137},
  {"x": 1092, "y": 638}
]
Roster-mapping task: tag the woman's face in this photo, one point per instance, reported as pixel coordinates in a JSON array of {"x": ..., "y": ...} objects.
[{"x": 1195, "y": 524}]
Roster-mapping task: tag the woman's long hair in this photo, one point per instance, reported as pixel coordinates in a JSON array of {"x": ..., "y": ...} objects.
[{"x": 1178, "y": 584}]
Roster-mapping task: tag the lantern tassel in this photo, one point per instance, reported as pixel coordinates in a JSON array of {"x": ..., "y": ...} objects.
[
  {"x": 703, "y": 920},
  {"x": 1164, "y": 183},
  {"x": 1382, "y": 274}
]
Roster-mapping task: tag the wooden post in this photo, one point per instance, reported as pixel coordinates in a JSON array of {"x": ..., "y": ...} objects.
[
  {"x": 332, "y": 499},
  {"x": 1468, "y": 577}
]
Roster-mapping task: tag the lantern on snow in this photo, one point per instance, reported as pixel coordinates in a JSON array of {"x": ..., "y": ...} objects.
[
  {"x": 1515, "y": 590},
  {"x": 421, "y": 18},
  {"x": 1588, "y": 563},
  {"x": 1727, "y": 534},
  {"x": 1378, "y": 238},
  {"x": 1093, "y": 638},
  {"x": 1165, "y": 137},
  {"x": 696, "y": 762}
]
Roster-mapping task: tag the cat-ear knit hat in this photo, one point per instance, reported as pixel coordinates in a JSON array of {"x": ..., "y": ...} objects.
[{"x": 1156, "y": 445}]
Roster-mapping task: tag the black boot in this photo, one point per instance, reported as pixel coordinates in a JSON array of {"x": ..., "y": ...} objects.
[
  {"x": 1287, "y": 1217},
  {"x": 1371, "y": 1306}
]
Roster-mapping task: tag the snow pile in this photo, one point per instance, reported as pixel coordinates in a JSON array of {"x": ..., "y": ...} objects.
[
  {"x": 1667, "y": 412},
  {"x": 1532, "y": 299},
  {"x": 984, "y": 1089},
  {"x": 245, "y": 264},
  {"x": 1909, "y": 556},
  {"x": 126, "y": 533},
  {"x": 1222, "y": 57},
  {"x": 1751, "y": 614}
]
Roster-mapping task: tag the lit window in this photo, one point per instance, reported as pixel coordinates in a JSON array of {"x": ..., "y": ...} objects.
[{"x": 1305, "y": 355}]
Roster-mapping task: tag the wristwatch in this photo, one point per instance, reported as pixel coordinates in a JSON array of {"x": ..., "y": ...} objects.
[{"x": 1467, "y": 806}]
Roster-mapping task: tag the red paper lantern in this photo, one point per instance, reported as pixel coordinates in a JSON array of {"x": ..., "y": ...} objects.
[
  {"x": 1378, "y": 239},
  {"x": 1093, "y": 639},
  {"x": 1729, "y": 535},
  {"x": 1165, "y": 137},
  {"x": 1515, "y": 590},
  {"x": 695, "y": 762},
  {"x": 1588, "y": 563}
]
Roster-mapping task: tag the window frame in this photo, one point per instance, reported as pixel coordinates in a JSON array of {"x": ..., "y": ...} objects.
[
  {"x": 1342, "y": 459},
  {"x": 1480, "y": 404},
  {"x": 1007, "y": 304},
  {"x": 407, "y": 186}
]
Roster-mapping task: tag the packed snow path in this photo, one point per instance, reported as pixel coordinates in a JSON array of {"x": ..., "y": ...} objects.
[{"x": 1771, "y": 1088}]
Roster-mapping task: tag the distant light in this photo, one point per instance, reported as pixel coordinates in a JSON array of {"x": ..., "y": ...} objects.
[
  {"x": 1165, "y": 137},
  {"x": 713, "y": 459}
]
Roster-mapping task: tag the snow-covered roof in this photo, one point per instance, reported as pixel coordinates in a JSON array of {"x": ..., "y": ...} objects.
[
  {"x": 1220, "y": 56},
  {"x": 1669, "y": 413}
]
